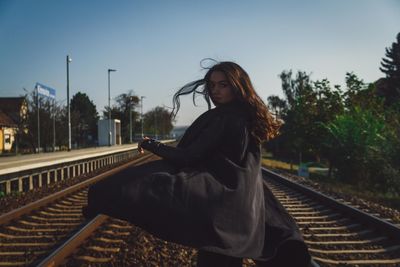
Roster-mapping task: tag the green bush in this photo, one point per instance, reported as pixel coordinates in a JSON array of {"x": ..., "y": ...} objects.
[{"x": 362, "y": 148}]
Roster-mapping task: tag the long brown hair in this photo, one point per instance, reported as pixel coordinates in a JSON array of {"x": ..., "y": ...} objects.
[{"x": 262, "y": 125}]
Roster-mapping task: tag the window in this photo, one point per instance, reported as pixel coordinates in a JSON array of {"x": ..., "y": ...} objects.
[{"x": 7, "y": 138}]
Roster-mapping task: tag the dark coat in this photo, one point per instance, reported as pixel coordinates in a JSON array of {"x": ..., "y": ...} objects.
[{"x": 206, "y": 193}]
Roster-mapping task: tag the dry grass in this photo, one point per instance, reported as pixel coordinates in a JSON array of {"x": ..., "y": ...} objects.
[{"x": 276, "y": 164}]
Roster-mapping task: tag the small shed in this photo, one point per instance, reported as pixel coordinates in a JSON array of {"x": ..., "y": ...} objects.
[{"x": 109, "y": 136}]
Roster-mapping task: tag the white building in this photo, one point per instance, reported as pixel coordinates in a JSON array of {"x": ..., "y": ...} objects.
[{"x": 104, "y": 132}]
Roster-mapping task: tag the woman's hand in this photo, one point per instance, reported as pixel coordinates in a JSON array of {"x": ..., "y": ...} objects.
[{"x": 140, "y": 149}]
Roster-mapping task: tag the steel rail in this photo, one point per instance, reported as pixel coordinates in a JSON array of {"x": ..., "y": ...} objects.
[
  {"x": 59, "y": 229},
  {"x": 7, "y": 217},
  {"x": 338, "y": 234},
  {"x": 57, "y": 257},
  {"x": 60, "y": 255},
  {"x": 384, "y": 226}
]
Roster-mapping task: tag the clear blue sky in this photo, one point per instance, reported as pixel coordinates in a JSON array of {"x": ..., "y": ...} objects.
[{"x": 156, "y": 46}]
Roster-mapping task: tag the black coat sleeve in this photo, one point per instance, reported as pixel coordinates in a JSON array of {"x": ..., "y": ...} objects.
[{"x": 207, "y": 141}]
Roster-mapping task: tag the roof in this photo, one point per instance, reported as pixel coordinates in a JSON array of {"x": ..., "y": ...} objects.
[
  {"x": 11, "y": 104},
  {"x": 6, "y": 120},
  {"x": 14, "y": 108}
]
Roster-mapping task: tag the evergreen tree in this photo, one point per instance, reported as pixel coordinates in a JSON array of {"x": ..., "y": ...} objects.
[
  {"x": 391, "y": 67},
  {"x": 83, "y": 120}
]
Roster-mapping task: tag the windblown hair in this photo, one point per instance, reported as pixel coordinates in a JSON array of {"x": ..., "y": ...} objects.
[{"x": 263, "y": 126}]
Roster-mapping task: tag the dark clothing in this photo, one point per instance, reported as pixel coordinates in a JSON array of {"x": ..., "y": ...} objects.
[
  {"x": 206, "y": 193},
  {"x": 209, "y": 259}
]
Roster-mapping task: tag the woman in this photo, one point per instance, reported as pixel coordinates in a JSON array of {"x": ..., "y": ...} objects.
[{"x": 208, "y": 192}]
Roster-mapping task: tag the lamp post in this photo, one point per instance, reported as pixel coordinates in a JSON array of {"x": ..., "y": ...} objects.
[
  {"x": 38, "y": 117},
  {"x": 155, "y": 123},
  {"x": 109, "y": 108},
  {"x": 130, "y": 118},
  {"x": 54, "y": 125},
  {"x": 68, "y": 108},
  {"x": 141, "y": 112},
  {"x": 130, "y": 123}
]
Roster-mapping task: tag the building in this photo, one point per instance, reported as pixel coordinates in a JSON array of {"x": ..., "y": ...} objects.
[
  {"x": 13, "y": 112},
  {"x": 15, "y": 107},
  {"x": 104, "y": 131},
  {"x": 8, "y": 129}
]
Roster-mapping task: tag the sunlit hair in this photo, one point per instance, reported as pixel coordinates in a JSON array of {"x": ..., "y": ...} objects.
[{"x": 262, "y": 125}]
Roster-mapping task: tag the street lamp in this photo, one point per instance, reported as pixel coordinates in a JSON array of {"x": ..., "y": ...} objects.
[
  {"x": 130, "y": 123},
  {"x": 68, "y": 108},
  {"x": 131, "y": 99},
  {"x": 38, "y": 117},
  {"x": 109, "y": 108},
  {"x": 155, "y": 123},
  {"x": 141, "y": 112}
]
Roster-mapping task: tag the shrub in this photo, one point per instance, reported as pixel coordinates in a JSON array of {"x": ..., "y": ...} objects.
[{"x": 362, "y": 147}]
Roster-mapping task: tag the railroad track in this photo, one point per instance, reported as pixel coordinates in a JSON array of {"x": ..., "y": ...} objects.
[
  {"x": 336, "y": 233},
  {"x": 33, "y": 231}
]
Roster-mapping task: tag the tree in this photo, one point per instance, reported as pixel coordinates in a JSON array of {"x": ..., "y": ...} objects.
[
  {"x": 362, "y": 146},
  {"x": 361, "y": 95},
  {"x": 352, "y": 129},
  {"x": 158, "y": 122},
  {"x": 276, "y": 105},
  {"x": 61, "y": 126},
  {"x": 46, "y": 109},
  {"x": 329, "y": 104},
  {"x": 300, "y": 113},
  {"x": 84, "y": 119},
  {"x": 125, "y": 104},
  {"x": 391, "y": 67},
  {"x": 308, "y": 106}
]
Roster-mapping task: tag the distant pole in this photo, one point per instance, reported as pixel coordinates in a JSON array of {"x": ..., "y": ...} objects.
[
  {"x": 155, "y": 123},
  {"x": 109, "y": 111},
  {"x": 38, "y": 117},
  {"x": 109, "y": 108},
  {"x": 130, "y": 122},
  {"x": 141, "y": 112},
  {"x": 54, "y": 128},
  {"x": 68, "y": 107}
]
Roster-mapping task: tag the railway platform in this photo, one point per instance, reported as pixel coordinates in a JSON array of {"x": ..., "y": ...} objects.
[{"x": 24, "y": 162}]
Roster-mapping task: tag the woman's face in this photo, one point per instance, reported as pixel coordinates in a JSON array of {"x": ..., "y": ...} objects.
[{"x": 221, "y": 91}]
